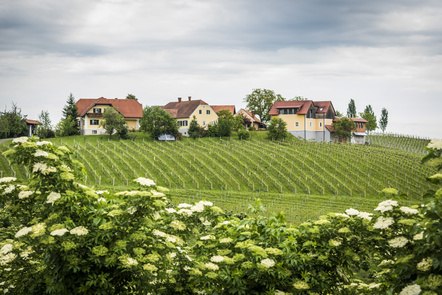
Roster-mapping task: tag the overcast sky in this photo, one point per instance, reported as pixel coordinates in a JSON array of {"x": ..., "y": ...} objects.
[{"x": 384, "y": 53}]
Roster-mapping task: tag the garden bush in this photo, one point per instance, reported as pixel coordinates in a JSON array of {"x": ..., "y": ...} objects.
[{"x": 58, "y": 236}]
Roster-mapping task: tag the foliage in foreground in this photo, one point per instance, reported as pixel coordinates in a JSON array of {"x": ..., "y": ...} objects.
[{"x": 60, "y": 237}]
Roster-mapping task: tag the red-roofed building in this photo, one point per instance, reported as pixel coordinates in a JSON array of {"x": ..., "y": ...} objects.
[
  {"x": 183, "y": 112},
  {"x": 250, "y": 120},
  {"x": 306, "y": 119},
  {"x": 90, "y": 113},
  {"x": 32, "y": 127},
  {"x": 230, "y": 108},
  {"x": 358, "y": 136}
]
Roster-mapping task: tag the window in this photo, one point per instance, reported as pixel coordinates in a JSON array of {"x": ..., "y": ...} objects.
[
  {"x": 296, "y": 124},
  {"x": 212, "y": 123},
  {"x": 94, "y": 122},
  {"x": 281, "y": 111},
  {"x": 204, "y": 123},
  {"x": 97, "y": 110},
  {"x": 295, "y": 111},
  {"x": 207, "y": 112},
  {"x": 200, "y": 112},
  {"x": 185, "y": 123},
  {"x": 310, "y": 124},
  {"x": 180, "y": 123},
  {"x": 290, "y": 111},
  {"x": 94, "y": 131},
  {"x": 320, "y": 124},
  {"x": 361, "y": 125}
]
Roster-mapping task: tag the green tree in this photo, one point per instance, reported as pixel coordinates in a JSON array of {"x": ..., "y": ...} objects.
[
  {"x": 238, "y": 123},
  {"x": 157, "y": 121},
  {"x": 343, "y": 127},
  {"x": 113, "y": 121},
  {"x": 12, "y": 123},
  {"x": 243, "y": 134},
  {"x": 351, "y": 110},
  {"x": 261, "y": 101},
  {"x": 339, "y": 114},
  {"x": 225, "y": 123},
  {"x": 44, "y": 129},
  {"x": 368, "y": 115},
  {"x": 131, "y": 96},
  {"x": 194, "y": 128},
  {"x": 70, "y": 114},
  {"x": 383, "y": 121},
  {"x": 277, "y": 129}
]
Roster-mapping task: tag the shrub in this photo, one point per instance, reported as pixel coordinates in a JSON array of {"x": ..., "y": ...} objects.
[{"x": 243, "y": 134}]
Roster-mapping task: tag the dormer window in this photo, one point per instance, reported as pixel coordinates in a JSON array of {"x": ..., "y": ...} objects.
[
  {"x": 320, "y": 109},
  {"x": 97, "y": 110}
]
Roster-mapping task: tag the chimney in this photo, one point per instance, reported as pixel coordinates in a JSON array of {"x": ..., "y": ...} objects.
[
  {"x": 179, "y": 99},
  {"x": 190, "y": 98}
]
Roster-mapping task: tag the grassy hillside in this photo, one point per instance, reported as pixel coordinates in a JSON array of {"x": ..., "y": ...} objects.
[{"x": 304, "y": 179}]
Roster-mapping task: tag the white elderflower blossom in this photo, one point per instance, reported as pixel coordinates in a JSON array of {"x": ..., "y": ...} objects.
[
  {"x": 187, "y": 212},
  {"x": 267, "y": 263},
  {"x": 365, "y": 215},
  {"x": 435, "y": 144},
  {"x": 59, "y": 232},
  {"x": 22, "y": 139},
  {"x": 6, "y": 249},
  {"x": 209, "y": 237},
  {"x": 24, "y": 231},
  {"x": 101, "y": 200},
  {"x": 408, "y": 210},
  {"x": 411, "y": 290},
  {"x": 40, "y": 153},
  {"x": 383, "y": 222},
  {"x": 24, "y": 194},
  {"x": 131, "y": 210},
  {"x": 9, "y": 189},
  {"x": 49, "y": 170},
  {"x": 386, "y": 206},
  {"x": 425, "y": 264},
  {"x": 39, "y": 167},
  {"x": 342, "y": 215},
  {"x": 205, "y": 203},
  {"x": 334, "y": 243},
  {"x": 419, "y": 236},
  {"x": 170, "y": 210},
  {"x": 145, "y": 181},
  {"x": 398, "y": 242},
  {"x": 7, "y": 179},
  {"x": 178, "y": 225},
  {"x": 197, "y": 208},
  {"x": 101, "y": 192},
  {"x": 217, "y": 259},
  {"x": 158, "y": 233},
  {"x": 184, "y": 205},
  {"x": 351, "y": 212},
  {"x": 79, "y": 231},
  {"x": 5, "y": 259},
  {"x": 211, "y": 266},
  {"x": 226, "y": 240},
  {"x": 44, "y": 143},
  {"x": 52, "y": 197}
]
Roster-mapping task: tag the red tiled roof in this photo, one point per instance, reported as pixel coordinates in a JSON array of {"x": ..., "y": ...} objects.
[
  {"x": 129, "y": 108},
  {"x": 32, "y": 122},
  {"x": 330, "y": 128},
  {"x": 183, "y": 109},
  {"x": 254, "y": 118},
  {"x": 359, "y": 120},
  {"x": 230, "y": 108},
  {"x": 324, "y": 105},
  {"x": 302, "y": 105}
]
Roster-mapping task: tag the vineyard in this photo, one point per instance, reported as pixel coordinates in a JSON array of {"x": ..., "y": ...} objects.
[{"x": 303, "y": 179}]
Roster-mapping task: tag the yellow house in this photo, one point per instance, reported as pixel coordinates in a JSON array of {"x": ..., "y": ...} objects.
[
  {"x": 306, "y": 119},
  {"x": 183, "y": 112},
  {"x": 90, "y": 113}
]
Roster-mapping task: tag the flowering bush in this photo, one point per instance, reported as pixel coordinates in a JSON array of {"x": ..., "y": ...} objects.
[{"x": 60, "y": 237}]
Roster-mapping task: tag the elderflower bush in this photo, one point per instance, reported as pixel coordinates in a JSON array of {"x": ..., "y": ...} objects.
[{"x": 59, "y": 236}]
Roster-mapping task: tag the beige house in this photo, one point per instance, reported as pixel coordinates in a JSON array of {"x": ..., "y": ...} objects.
[
  {"x": 183, "y": 112},
  {"x": 306, "y": 119},
  {"x": 250, "y": 120},
  {"x": 90, "y": 113}
]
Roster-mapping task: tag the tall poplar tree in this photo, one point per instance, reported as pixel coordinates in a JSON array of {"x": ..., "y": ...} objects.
[
  {"x": 383, "y": 121},
  {"x": 351, "y": 110}
]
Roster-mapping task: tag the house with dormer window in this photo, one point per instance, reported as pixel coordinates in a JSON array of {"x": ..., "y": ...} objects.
[
  {"x": 184, "y": 110},
  {"x": 90, "y": 113}
]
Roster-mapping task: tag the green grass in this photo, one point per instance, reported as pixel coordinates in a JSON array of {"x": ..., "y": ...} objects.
[{"x": 303, "y": 179}]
